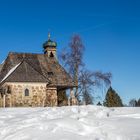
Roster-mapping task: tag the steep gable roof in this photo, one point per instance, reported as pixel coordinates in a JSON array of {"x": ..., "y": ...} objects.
[
  {"x": 35, "y": 68},
  {"x": 25, "y": 73}
]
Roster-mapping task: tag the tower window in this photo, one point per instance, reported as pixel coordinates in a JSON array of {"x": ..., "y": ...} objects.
[
  {"x": 26, "y": 92},
  {"x": 51, "y": 54},
  {"x": 50, "y": 73}
]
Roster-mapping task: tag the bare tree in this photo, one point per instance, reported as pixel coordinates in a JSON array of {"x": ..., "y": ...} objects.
[
  {"x": 88, "y": 80},
  {"x": 85, "y": 80},
  {"x": 133, "y": 103},
  {"x": 73, "y": 58},
  {"x": 85, "y": 86}
]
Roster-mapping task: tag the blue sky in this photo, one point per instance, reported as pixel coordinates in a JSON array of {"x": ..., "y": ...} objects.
[{"x": 110, "y": 30}]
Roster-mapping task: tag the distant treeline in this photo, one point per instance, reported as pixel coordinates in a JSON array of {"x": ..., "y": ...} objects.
[{"x": 134, "y": 103}]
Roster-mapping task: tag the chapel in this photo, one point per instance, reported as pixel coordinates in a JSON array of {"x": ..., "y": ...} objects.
[{"x": 34, "y": 80}]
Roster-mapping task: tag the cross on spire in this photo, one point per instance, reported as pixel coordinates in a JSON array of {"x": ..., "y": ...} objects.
[{"x": 49, "y": 36}]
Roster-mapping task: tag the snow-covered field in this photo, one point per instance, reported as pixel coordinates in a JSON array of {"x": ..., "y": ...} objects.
[{"x": 70, "y": 123}]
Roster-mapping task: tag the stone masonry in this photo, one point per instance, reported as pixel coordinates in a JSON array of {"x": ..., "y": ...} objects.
[{"x": 38, "y": 95}]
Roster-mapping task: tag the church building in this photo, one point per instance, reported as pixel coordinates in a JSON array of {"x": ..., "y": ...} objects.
[{"x": 34, "y": 80}]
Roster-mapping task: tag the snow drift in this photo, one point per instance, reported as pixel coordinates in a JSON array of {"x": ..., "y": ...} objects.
[{"x": 70, "y": 123}]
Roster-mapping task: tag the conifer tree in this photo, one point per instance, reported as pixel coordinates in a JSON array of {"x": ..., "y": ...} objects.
[
  {"x": 112, "y": 99},
  {"x": 99, "y": 104}
]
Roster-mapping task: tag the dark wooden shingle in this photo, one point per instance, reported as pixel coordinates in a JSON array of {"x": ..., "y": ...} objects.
[{"x": 35, "y": 68}]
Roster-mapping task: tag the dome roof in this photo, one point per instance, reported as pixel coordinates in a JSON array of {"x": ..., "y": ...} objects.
[{"x": 49, "y": 43}]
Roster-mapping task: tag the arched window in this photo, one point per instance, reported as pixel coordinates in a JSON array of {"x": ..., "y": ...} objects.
[
  {"x": 26, "y": 92},
  {"x": 8, "y": 89}
]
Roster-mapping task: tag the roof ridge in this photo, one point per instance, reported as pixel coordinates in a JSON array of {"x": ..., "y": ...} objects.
[{"x": 25, "y": 53}]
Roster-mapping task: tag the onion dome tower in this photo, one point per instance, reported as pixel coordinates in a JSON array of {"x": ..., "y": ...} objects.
[{"x": 50, "y": 47}]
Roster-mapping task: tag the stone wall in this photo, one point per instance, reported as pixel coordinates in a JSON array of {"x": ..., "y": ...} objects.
[{"x": 39, "y": 95}]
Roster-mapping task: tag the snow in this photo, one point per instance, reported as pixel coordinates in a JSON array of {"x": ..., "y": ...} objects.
[
  {"x": 70, "y": 123},
  {"x": 3, "y": 62},
  {"x": 10, "y": 71}
]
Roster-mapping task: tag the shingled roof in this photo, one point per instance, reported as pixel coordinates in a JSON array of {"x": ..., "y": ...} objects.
[{"x": 34, "y": 68}]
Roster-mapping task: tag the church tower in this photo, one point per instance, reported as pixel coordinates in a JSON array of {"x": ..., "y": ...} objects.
[{"x": 50, "y": 47}]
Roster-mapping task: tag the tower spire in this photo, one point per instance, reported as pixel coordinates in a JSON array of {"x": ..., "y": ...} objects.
[
  {"x": 49, "y": 36},
  {"x": 50, "y": 47}
]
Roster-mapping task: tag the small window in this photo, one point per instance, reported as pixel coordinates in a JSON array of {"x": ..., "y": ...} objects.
[
  {"x": 50, "y": 73},
  {"x": 26, "y": 92},
  {"x": 8, "y": 89},
  {"x": 51, "y": 54}
]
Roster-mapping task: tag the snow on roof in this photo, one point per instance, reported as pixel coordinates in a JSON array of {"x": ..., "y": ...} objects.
[
  {"x": 1, "y": 65},
  {"x": 11, "y": 71},
  {"x": 3, "y": 62}
]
